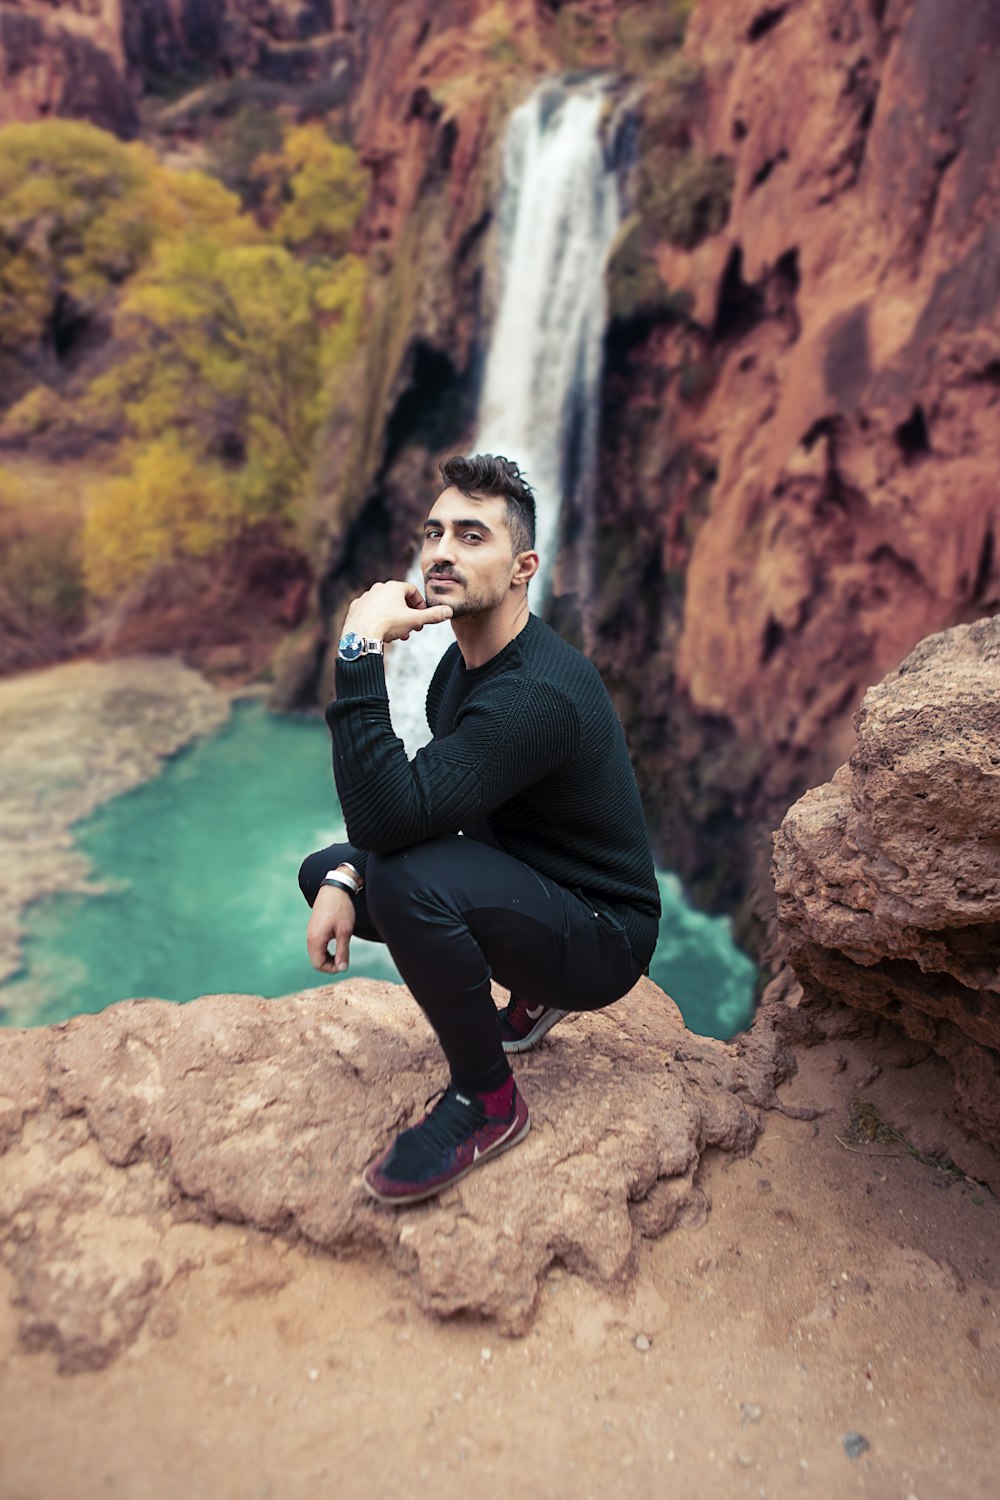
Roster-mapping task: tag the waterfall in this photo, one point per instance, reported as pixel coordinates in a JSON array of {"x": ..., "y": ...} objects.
[{"x": 558, "y": 213}]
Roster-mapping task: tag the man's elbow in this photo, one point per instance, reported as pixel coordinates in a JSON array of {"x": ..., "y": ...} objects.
[{"x": 372, "y": 835}]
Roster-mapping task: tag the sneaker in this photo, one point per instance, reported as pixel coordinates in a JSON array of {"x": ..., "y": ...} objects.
[
  {"x": 455, "y": 1137},
  {"x": 522, "y": 1025}
]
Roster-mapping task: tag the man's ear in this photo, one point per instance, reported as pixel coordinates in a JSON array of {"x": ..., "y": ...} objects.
[{"x": 525, "y": 567}]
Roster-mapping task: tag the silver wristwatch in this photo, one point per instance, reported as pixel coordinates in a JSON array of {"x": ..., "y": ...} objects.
[{"x": 353, "y": 645}]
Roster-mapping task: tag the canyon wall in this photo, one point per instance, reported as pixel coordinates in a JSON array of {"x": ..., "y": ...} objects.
[
  {"x": 798, "y": 474},
  {"x": 803, "y": 361}
]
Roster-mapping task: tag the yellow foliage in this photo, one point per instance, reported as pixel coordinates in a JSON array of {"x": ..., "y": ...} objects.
[
  {"x": 196, "y": 203},
  {"x": 41, "y": 410},
  {"x": 170, "y": 504},
  {"x": 229, "y": 337},
  {"x": 320, "y": 187},
  {"x": 232, "y": 350},
  {"x": 12, "y": 491},
  {"x": 76, "y": 217},
  {"x": 41, "y": 585}
]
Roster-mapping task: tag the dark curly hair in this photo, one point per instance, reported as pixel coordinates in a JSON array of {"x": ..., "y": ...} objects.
[{"x": 482, "y": 475}]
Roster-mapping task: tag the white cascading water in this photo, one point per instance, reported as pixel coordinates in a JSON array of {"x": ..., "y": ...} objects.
[{"x": 559, "y": 211}]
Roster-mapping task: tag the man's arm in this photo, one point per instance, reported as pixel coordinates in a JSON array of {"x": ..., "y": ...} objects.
[{"x": 506, "y": 738}]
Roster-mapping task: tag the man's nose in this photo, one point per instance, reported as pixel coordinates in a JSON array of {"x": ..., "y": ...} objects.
[{"x": 442, "y": 550}]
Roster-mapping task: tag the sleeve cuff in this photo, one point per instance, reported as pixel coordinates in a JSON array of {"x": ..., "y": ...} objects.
[{"x": 364, "y": 678}]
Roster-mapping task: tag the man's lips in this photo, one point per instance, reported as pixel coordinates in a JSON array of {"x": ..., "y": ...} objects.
[{"x": 441, "y": 578}]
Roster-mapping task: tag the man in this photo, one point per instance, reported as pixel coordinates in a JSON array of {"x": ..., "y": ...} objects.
[{"x": 513, "y": 845}]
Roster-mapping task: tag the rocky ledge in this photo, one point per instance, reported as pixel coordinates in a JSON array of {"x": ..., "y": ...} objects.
[
  {"x": 888, "y": 881},
  {"x": 265, "y": 1112}
]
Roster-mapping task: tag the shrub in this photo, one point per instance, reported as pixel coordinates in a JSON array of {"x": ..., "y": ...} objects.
[
  {"x": 636, "y": 290},
  {"x": 167, "y": 505},
  {"x": 76, "y": 219},
  {"x": 315, "y": 190},
  {"x": 685, "y": 196},
  {"x": 41, "y": 411},
  {"x": 41, "y": 578},
  {"x": 648, "y": 34}
]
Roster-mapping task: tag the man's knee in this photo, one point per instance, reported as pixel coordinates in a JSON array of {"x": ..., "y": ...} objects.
[
  {"x": 310, "y": 876},
  {"x": 406, "y": 881},
  {"x": 315, "y": 866}
]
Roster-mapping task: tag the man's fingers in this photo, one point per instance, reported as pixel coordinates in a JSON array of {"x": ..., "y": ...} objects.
[{"x": 343, "y": 955}]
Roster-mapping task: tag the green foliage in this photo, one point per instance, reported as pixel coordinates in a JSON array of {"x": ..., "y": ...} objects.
[
  {"x": 650, "y": 32},
  {"x": 636, "y": 290},
  {"x": 684, "y": 196},
  {"x": 168, "y": 504},
  {"x": 670, "y": 104},
  {"x": 239, "y": 144},
  {"x": 683, "y": 193}
]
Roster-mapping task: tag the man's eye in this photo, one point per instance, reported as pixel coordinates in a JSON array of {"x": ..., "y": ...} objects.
[{"x": 473, "y": 536}]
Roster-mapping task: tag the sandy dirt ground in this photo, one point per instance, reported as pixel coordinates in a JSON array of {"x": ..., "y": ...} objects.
[{"x": 831, "y": 1330}]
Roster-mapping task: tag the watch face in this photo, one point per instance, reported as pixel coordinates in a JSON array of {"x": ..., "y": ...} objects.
[{"x": 350, "y": 646}]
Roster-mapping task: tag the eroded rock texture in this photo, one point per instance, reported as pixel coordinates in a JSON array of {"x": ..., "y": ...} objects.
[
  {"x": 65, "y": 61},
  {"x": 800, "y": 456},
  {"x": 265, "y": 1113},
  {"x": 888, "y": 877}
]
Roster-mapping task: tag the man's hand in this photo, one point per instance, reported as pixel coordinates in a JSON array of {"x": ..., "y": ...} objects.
[
  {"x": 332, "y": 921},
  {"x": 390, "y": 611}
]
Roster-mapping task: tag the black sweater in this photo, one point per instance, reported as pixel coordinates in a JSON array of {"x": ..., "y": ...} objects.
[{"x": 528, "y": 755}]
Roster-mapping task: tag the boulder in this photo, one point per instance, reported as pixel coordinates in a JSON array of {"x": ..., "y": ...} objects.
[
  {"x": 888, "y": 877},
  {"x": 265, "y": 1113}
]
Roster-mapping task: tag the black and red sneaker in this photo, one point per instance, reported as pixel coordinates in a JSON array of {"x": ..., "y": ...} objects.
[
  {"x": 455, "y": 1137},
  {"x": 522, "y": 1025}
]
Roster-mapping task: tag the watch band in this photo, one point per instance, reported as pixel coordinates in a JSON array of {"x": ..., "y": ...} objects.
[
  {"x": 342, "y": 885},
  {"x": 352, "y": 646}
]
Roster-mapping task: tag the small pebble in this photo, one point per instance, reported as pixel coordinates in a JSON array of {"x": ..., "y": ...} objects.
[
  {"x": 486, "y": 1355},
  {"x": 855, "y": 1443},
  {"x": 642, "y": 1343},
  {"x": 313, "y": 1374},
  {"x": 751, "y": 1411}
]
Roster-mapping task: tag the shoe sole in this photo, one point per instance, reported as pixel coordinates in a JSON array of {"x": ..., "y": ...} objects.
[
  {"x": 399, "y": 1199},
  {"x": 543, "y": 1025}
]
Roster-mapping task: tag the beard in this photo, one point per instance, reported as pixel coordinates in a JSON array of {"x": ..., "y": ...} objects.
[{"x": 470, "y": 602}]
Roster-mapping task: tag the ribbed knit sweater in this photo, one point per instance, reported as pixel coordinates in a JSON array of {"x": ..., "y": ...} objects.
[{"x": 528, "y": 755}]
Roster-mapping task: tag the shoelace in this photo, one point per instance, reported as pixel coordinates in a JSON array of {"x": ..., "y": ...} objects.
[{"x": 451, "y": 1121}]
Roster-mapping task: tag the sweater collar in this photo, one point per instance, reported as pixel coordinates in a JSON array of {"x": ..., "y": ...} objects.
[{"x": 504, "y": 658}]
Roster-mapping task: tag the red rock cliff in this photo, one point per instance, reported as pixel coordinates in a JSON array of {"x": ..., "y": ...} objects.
[{"x": 813, "y": 487}]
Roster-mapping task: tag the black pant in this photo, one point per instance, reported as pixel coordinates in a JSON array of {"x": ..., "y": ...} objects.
[{"x": 453, "y": 912}]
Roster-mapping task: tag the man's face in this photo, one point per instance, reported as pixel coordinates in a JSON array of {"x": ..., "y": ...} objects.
[{"x": 466, "y": 557}]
